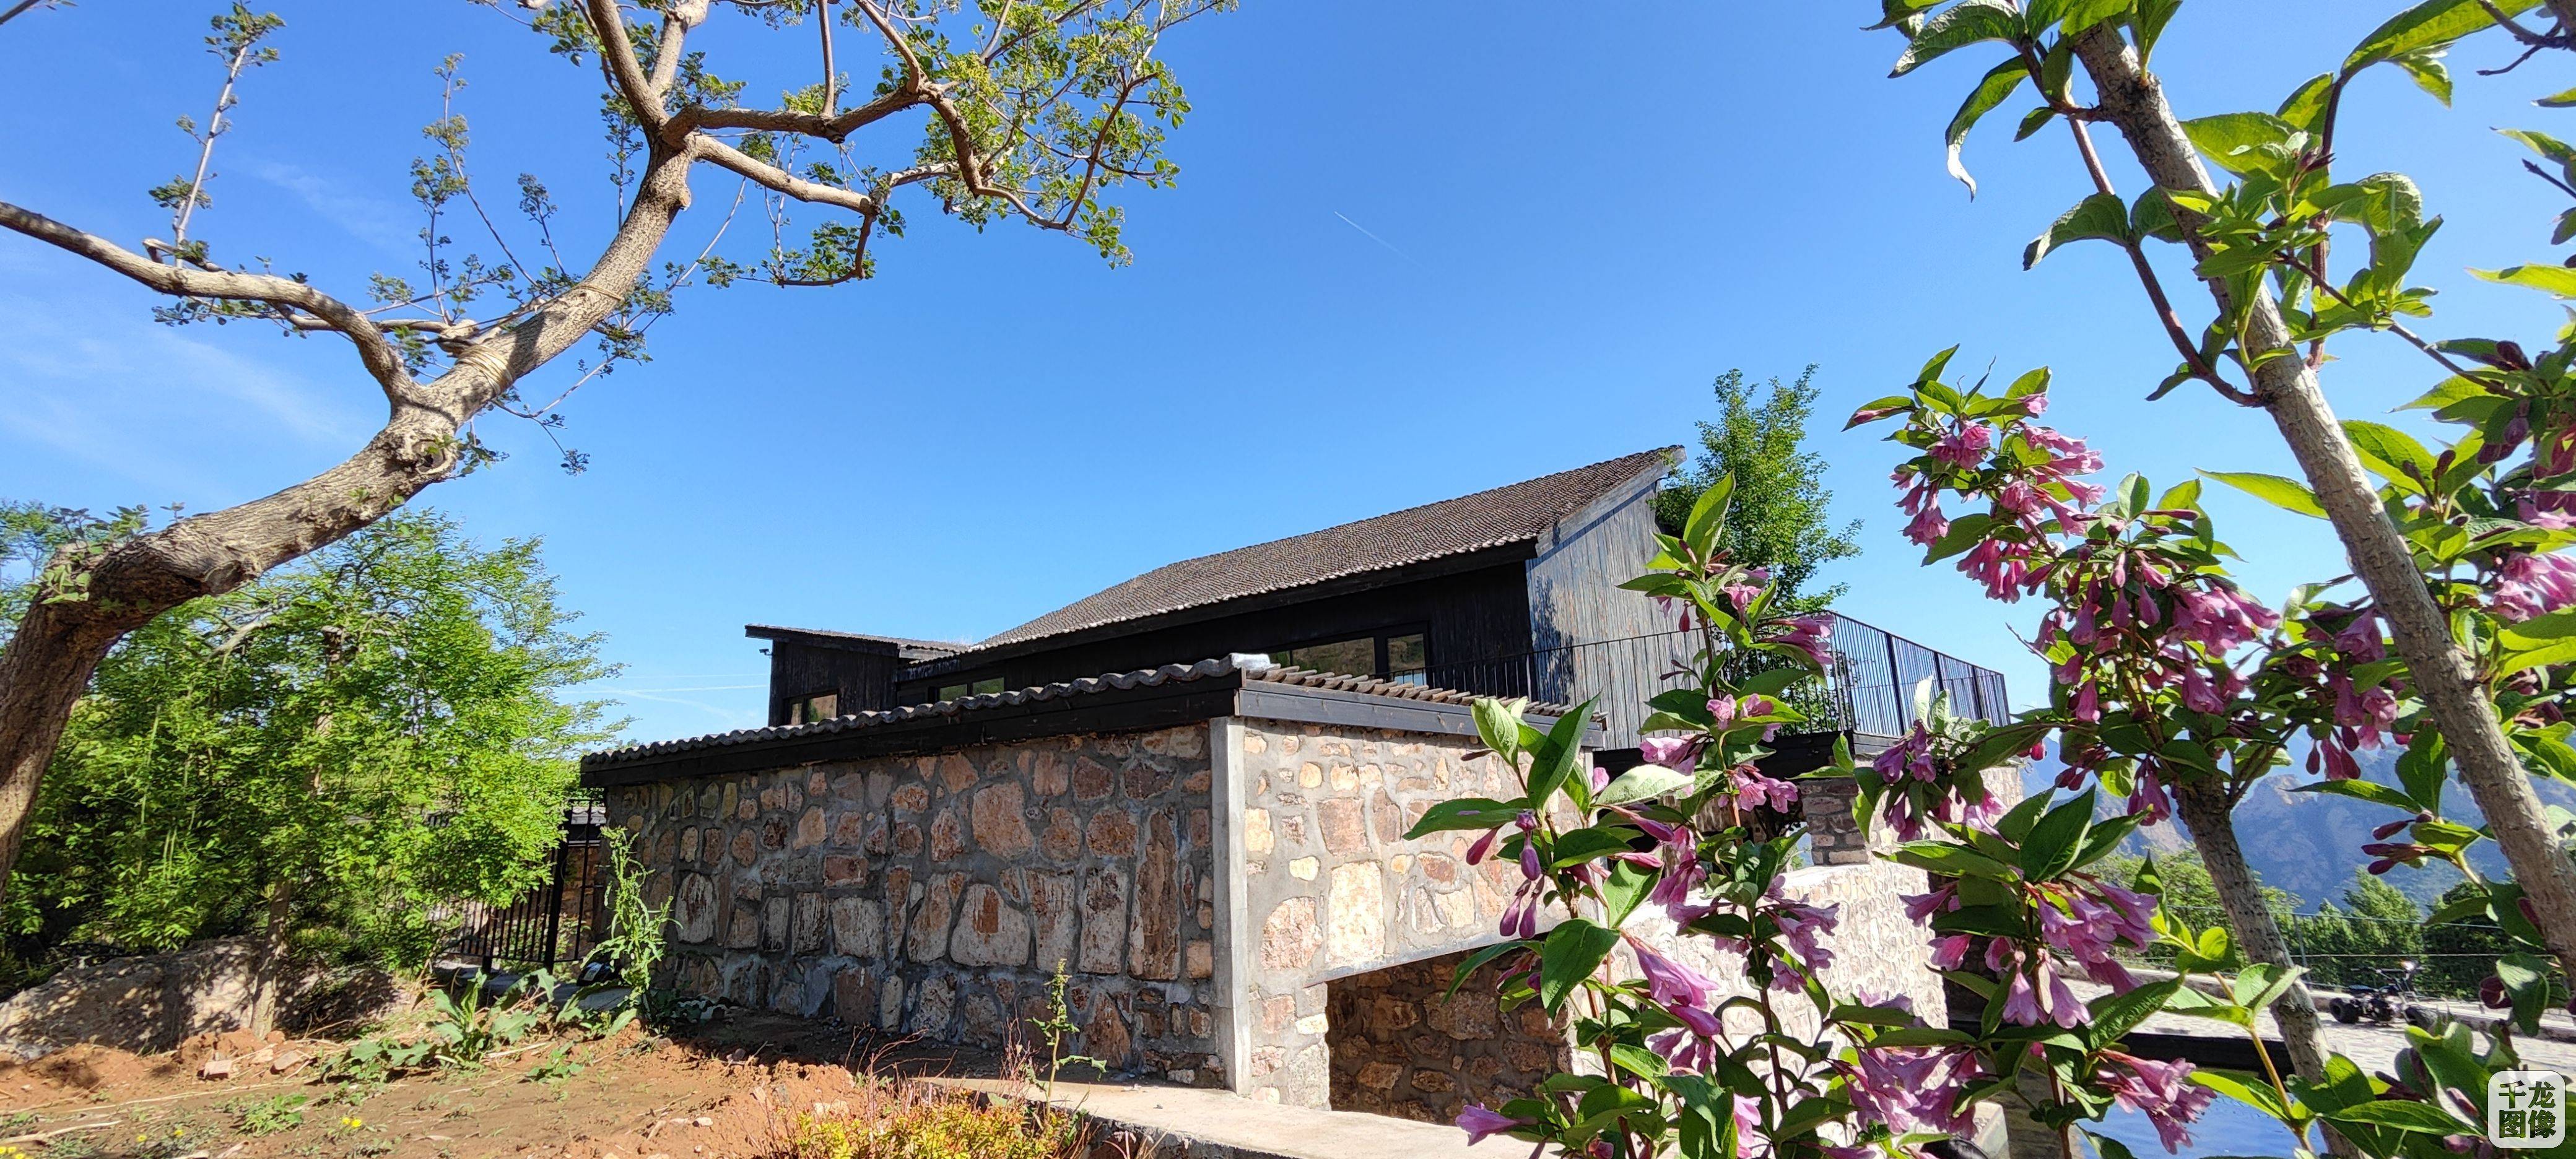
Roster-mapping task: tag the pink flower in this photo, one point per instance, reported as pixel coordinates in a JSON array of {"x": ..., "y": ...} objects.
[
  {"x": 1912, "y": 1088},
  {"x": 1671, "y": 983},
  {"x": 2219, "y": 618},
  {"x": 1948, "y": 952},
  {"x": 1801, "y": 924},
  {"x": 2533, "y": 585},
  {"x": 2035, "y": 404},
  {"x": 1480, "y": 1123},
  {"x": 1812, "y": 635},
  {"x": 1721, "y": 711},
  {"x": 2038, "y": 995},
  {"x": 2162, "y": 1091},
  {"x": 1966, "y": 446},
  {"x": 1929, "y": 526},
  {"x": 1484, "y": 846},
  {"x": 1754, "y": 791},
  {"x": 2003, "y": 568},
  {"x": 1919, "y": 907},
  {"x": 2197, "y": 694},
  {"x": 1680, "y": 754}
]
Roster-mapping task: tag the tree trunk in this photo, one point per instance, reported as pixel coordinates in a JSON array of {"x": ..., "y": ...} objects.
[
  {"x": 270, "y": 969},
  {"x": 43, "y": 673},
  {"x": 2206, "y": 811},
  {"x": 2133, "y": 100}
]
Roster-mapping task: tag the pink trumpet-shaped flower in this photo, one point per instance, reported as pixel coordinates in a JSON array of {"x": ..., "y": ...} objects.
[
  {"x": 1672, "y": 983},
  {"x": 1966, "y": 446},
  {"x": 1755, "y": 791},
  {"x": 2162, "y": 1091},
  {"x": 1680, "y": 754},
  {"x": 1480, "y": 1123}
]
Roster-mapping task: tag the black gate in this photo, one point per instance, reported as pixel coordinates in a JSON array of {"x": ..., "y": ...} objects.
[{"x": 558, "y": 921}]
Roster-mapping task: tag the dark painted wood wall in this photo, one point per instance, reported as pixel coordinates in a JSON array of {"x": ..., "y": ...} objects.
[
  {"x": 1464, "y": 615},
  {"x": 863, "y": 676}
]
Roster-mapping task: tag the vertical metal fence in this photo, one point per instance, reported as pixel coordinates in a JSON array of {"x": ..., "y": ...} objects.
[
  {"x": 1869, "y": 687},
  {"x": 558, "y": 920}
]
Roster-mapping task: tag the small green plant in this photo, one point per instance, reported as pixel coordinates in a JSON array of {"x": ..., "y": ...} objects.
[
  {"x": 638, "y": 934},
  {"x": 466, "y": 1028},
  {"x": 270, "y": 1116},
  {"x": 1054, "y": 1029},
  {"x": 557, "y": 1067}
]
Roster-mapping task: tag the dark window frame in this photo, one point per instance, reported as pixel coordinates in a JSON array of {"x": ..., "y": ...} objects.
[
  {"x": 797, "y": 713},
  {"x": 1378, "y": 638}
]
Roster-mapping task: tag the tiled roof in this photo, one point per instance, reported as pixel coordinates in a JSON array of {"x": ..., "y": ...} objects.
[
  {"x": 1518, "y": 513},
  {"x": 1253, "y": 668}
]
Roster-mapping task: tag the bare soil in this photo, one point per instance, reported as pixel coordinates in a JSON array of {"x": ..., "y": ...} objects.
[{"x": 729, "y": 1088}]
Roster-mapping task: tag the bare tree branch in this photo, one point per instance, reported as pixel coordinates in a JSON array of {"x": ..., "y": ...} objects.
[
  {"x": 374, "y": 349},
  {"x": 779, "y": 179}
]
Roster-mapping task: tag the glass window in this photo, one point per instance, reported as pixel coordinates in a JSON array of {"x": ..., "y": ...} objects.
[
  {"x": 823, "y": 706},
  {"x": 984, "y": 687},
  {"x": 990, "y": 684},
  {"x": 1342, "y": 657},
  {"x": 1406, "y": 659},
  {"x": 949, "y": 692}
]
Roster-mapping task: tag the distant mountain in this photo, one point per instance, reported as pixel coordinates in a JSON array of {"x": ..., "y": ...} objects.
[{"x": 2309, "y": 844}]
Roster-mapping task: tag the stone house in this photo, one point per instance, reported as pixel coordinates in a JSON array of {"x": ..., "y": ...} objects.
[{"x": 1214, "y": 853}]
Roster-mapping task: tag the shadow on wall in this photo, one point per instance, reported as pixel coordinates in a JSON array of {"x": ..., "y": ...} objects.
[
  {"x": 150, "y": 1003},
  {"x": 1400, "y": 1048}
]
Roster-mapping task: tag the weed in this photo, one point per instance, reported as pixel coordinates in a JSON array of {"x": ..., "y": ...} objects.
[
  {"x": 270, "y": 1116},
  {"x": 1057, "y": 1026},
  {"x": 14, "y": 1121},
  {"x": 930, "y": 1128},
  {"x": 71, "y": 1147},
  {"x": 558, "y": 1066}
]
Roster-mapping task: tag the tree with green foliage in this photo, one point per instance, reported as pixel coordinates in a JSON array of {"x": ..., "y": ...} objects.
[
  {"x": 988, "y": 114},
  {"x": 1780, "y": 515},
  {"x": 2375, "y": 928},
  {"x": 332, "y": 757}
]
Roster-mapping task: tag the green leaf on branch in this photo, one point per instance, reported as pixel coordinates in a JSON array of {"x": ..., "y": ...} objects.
[
  {"x": 2389, "y": 452},
  {"x": 1498, "y": 724},
  {"x": 1643, "y": 783},
  {"x": 1708, "y": 515},
  {"x": 1570, "y": 954},
  {"x": 2429, "y": 25},
  {"x": 2286, "y": 494},
  {"x": 2102, "y": 217},
  {"x": 1971, "y": 22},
  {"x": 1993, "y": 90},
  {"x": 1464, "y": 813},
  {"x": 1954, "y": 860},
  {"x": 2404, "y": 1115},
  {"x": 2054, "y": 841},
  {"x": 2241, "y": 143},
  {"x": 2558, "y": 280},
  {"x": 1552, "y": 764}
]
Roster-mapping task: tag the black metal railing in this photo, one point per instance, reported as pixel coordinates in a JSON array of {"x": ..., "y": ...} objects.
[
  {"x": 558, "y": 920},
  {"x": 1868, "y": 689}
]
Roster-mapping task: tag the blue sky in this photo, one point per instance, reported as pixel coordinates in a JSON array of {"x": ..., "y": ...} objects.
[{"x": 1417, "y": 249}]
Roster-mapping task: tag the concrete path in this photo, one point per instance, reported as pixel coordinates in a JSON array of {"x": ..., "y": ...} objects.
[
  {"x": 1205, "y": 1124},
  {"x": 2374, "y": 1048}
]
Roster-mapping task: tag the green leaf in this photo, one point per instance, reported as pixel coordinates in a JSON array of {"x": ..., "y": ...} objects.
[
  {"x": 1475, "y": 960},
  {"x": 1558, "y": 753},
  {"x": 2053, "y": 842},
  {"x": 2147, "y": 25},
  {"x": 1932, "y": 369},
  {"x": 2285, "y": 494},
  {"x": 1957, "y": 861},
  {"x": 2431, "y": 24},
  {"x": 2558, "y": 100},
  {"x": 2404, "y": 1115},
  {"x": 1584, "y": 845},
  {"x": 1643, "y": 783},
  {"x": 1498, "y": 724},
  {"x": 1464, "y": 813},
  {"x": 2243, "y": 1088},
  {"x": 1570, "y": 954},
  {"x": 2308, "y": 102},
  {"x": 1624, "y": 890},
  {"x": 2558, "y": 280},
  {"x": 2117, "y": 1014},
  {"x": 1996, "y": 88},
  {"x": 2232, "y": 141},
  {"x": 1971, "y": 22},
  {"x": 2102, "y": 217},
  {"x": 2425, "y": 68},
  {"x": 2526, "y": 982},
  {"x": 2389, "y": 452},
  {"x": 1708, "y": 515}
]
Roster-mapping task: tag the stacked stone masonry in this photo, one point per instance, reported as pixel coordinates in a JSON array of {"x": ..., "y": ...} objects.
[
  {"x": 1234, "y": 899},
  {"x": 1402, "y": 1045},
  {"x": 936, "y": 895}
]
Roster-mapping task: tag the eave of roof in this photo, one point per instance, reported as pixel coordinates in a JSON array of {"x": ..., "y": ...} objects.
[
  {"x": 1160, "y": 697},
  {"x": 903, "y": 647}
]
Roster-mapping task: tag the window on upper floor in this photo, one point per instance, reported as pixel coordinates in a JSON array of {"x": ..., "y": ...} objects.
[
  {"x": 1403, "y": 658},
  {"x": 988, "y": 685},
  {"x": 808, "y": 709}
]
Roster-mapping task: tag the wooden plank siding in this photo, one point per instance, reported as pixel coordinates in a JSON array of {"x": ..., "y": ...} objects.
[{"x": 1581, "y": 621}]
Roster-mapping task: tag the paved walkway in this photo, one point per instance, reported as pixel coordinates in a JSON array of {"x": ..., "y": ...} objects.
[
  {"x": 2374, "y": 1048},
  {"x": 1206, "y": 1124}
]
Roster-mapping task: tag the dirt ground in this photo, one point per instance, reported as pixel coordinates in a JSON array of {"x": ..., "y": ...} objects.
[{"x": 729, "y": 1088}]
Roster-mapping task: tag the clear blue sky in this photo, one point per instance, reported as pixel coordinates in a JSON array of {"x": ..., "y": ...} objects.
[{"x": 1418, "y": 249}]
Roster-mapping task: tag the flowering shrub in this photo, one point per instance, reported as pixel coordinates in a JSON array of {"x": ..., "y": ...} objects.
[{"x": 1761, "y": 1055}]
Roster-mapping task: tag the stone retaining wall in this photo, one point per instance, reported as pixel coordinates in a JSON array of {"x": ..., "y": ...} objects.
[
  {"x": 937, "y": 894},
  {"x": 1399, "y": 1047}
]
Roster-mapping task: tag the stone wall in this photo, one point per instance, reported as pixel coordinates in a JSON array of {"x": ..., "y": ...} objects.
[
  {"x": 1400, "y": 1048},
  {"x": 1330, "y": 888},
  {"x": 936, "y": 894}
]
